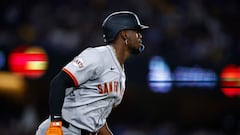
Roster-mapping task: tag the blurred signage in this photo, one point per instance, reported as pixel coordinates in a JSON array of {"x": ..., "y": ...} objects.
[
  {"x": 2, "y": 59},
  {"x": 230, "y": 80},
  {"x": 194, "y": 77},
  {"x": 12, "y": 84},
  {"x": 161, "y": 79},
  {"x": 159, "y": 72},
  {"x": 29, "y": 61}
]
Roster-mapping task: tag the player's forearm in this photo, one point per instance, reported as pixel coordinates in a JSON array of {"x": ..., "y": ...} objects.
[
  {"x": 105, "y": 130},
  {"x": 57, "y": 93}
]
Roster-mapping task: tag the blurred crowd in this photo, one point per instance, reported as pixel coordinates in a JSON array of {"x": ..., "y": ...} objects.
[
  {"x": 207, "y": 31},
  {"x": 184, "y": 32}
]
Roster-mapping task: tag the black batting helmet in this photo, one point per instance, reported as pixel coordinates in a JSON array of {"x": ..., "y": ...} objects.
[{"x": 118, "y": 21}]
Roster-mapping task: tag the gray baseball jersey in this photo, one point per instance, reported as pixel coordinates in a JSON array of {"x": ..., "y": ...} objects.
[{"x": 100, "y": 81}]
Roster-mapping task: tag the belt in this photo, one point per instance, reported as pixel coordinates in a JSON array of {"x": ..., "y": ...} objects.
[{"x": 83, "y": 131}]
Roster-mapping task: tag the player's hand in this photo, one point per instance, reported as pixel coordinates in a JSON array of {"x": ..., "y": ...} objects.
[{"x": 55, "y": 128}]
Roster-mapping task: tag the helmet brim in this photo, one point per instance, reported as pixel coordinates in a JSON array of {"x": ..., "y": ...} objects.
[{"x": 142, "y": 27}]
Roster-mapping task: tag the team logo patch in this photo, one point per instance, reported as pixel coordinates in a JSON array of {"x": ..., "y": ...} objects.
[{"x": 78, "y": 62}]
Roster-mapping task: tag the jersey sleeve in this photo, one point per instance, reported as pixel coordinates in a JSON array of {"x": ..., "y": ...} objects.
[{"x": 87, "y": 65}]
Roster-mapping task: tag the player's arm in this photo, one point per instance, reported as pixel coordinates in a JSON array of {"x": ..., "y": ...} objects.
[
  {"x": 105, "y": 130},
  {"x": 58, "y": 86}
]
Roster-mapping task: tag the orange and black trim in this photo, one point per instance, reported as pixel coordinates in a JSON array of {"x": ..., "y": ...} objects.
[{"x": 71, "y": 75}]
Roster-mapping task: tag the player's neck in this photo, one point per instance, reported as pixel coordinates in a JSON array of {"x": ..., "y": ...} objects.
[{"x": 121, "y": 53}]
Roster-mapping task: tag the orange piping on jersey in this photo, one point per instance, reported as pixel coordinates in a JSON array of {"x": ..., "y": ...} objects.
[{"x": 71, "y": 75}]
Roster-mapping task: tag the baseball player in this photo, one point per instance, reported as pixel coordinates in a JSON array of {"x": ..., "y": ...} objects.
[{"x": 84, "y": 92}]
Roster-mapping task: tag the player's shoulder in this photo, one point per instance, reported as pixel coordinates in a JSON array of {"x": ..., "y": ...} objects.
[
  {"x": 95, "y": 51},
  {"x": 98, "y": 49}
]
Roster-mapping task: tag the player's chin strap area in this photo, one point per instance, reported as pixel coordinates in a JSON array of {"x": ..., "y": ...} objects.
[{"x": 141, "y": 48}]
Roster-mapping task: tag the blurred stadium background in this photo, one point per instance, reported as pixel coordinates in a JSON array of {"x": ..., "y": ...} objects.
[{"x": 185, "y": 83}]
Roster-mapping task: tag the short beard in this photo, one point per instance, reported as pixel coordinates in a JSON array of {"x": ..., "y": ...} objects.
[
  {"x": 137, "y": 51},
  {"x": 134, "y": 51}
]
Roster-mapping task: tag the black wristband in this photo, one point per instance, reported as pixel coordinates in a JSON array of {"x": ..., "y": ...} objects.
[{"x": 56, "y": 118}]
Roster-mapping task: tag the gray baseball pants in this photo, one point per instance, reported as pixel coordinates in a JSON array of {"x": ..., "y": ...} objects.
[{"x": 66, "y": 131}]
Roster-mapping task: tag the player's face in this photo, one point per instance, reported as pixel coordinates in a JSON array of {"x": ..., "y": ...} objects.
[{"x": 134, "y": 41}]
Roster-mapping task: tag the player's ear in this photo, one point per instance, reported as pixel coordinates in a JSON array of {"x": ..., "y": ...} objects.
[{"x": 123, "y": 34}]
